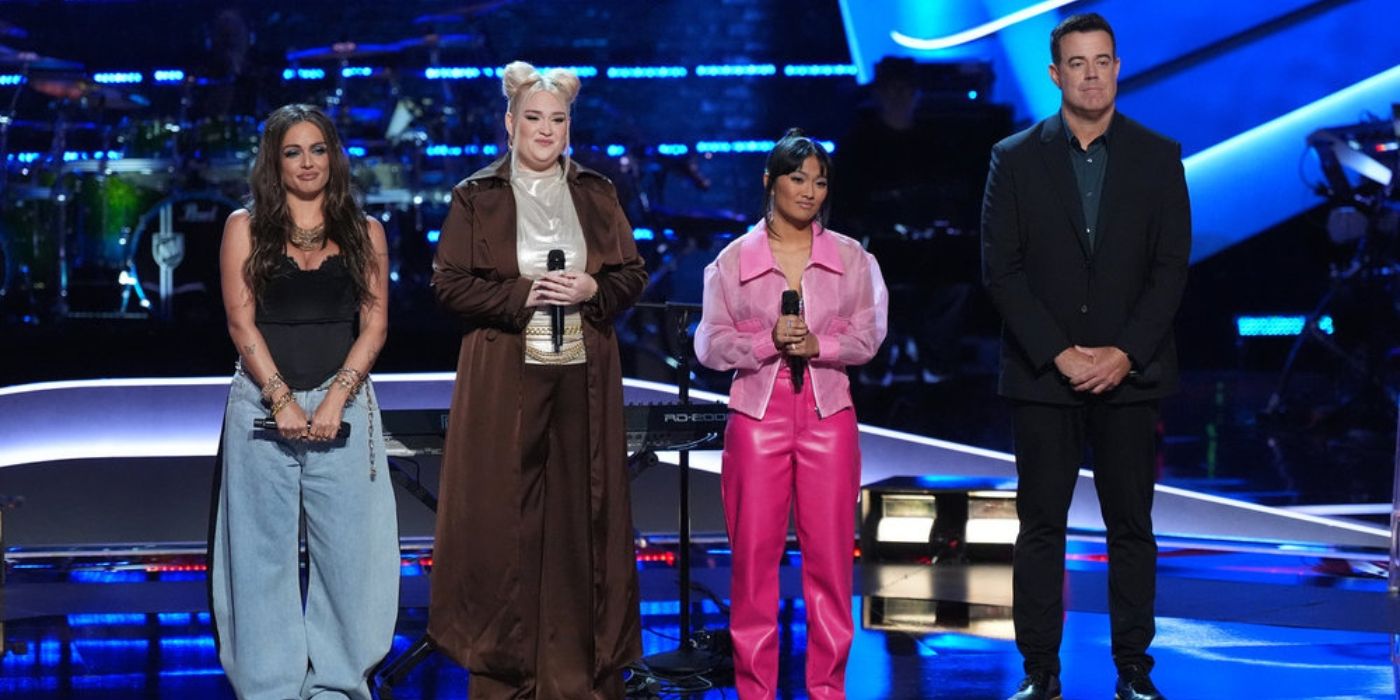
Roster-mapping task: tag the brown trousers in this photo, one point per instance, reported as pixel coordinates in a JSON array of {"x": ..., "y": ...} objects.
[{"x": 556, "y": 592}]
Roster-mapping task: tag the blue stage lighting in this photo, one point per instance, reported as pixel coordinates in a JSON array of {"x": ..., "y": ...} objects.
[
  {"x": 819, "y": 70},
  {"x": 117, "y": 78},
  {"x": 580, "y": 71},
  {"x": 1278, "y": 325},
  {"x": 455, "y": 73},
  {"x": 168, "y": 76},
  {"x": 739, "y": 69},
  {"x": 303, "y": 74},
  {"x": 647, "y": 72}
]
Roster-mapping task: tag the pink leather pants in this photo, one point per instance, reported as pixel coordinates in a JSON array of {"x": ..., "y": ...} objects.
[{"x": 791, "y": 452}]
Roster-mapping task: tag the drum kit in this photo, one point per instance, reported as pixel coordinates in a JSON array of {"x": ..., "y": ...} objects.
[
  {"x": 110, "y": 210},
  {"x": 112, "y": 202}
]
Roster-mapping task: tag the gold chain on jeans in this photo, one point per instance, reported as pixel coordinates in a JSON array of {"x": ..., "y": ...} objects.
[{"x": 369, "y": 397}]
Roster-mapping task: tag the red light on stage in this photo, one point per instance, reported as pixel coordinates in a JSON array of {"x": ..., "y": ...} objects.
[
  {"x": 166, "y": 568},
  {"x": 667, "y": 558}
]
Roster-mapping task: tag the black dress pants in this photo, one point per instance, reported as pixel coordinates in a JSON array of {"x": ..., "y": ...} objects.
[{"x": 1050, "y": 448}]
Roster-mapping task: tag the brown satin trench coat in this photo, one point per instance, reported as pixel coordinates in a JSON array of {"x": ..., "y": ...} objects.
[{"x": 474, "y": 615}]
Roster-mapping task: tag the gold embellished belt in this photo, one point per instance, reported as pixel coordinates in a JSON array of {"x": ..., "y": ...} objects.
[
  {"x": 570, "y": 353},
  {"x": 571, "y": 330}
]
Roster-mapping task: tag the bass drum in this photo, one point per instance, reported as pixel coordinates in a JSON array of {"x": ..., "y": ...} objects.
[
  {"x": 28, "y": 248},
  {"x": 193, "y": 294}
]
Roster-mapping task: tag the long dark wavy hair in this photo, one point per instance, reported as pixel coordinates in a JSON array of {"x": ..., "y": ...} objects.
[{"x": 271, "y": 220}]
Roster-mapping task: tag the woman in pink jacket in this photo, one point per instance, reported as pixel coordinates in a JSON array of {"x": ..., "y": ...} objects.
[{"x": 788, "y": 306}]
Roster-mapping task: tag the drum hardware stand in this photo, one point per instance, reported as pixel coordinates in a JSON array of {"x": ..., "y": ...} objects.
[
  {"x": 61, "y": 196},
  {"x": 1364, "y": 265},
  {"x": 168, "y": 249},
  {"x": 8, "y": 117},
  {"x": 5, "y": 120},
  {"x": 335, "y": 102},
  {"x": 449, "y": 109},
  {"x": 182, "y": 121}
]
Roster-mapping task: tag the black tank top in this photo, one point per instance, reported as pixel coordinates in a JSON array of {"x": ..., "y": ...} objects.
[{"x": 307, "y": 318}]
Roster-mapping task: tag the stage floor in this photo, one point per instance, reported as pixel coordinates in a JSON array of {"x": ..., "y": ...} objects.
[
  {"x": 1253, "y": 601},
  {"x": 1229, "y": 625}
]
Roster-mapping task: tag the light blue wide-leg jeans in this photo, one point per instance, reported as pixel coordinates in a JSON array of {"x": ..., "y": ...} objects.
[{"x": 272, "y": 646}]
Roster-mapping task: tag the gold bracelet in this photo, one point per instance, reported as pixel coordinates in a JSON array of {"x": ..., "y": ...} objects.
[
  {"x": 269, "y": 389},
  {"x": 287, "y": 398},
  {"x": 348, "y": 378}
]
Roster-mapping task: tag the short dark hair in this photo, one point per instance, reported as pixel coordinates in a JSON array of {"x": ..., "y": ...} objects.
[
  {"x": 1086, "y": 22},
  {"x": 787, "y": 157}
]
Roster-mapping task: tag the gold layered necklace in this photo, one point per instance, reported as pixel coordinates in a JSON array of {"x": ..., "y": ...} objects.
[{"x": 309, "y": 239}]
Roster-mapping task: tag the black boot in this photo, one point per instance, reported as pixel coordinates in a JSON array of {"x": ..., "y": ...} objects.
[
  {"x": 1135, "y": 684},
  {"x": 1038, "y": 685}
]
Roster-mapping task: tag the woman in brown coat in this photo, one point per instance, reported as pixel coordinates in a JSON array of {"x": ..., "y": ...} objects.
[{"x": 534, "y": 586}]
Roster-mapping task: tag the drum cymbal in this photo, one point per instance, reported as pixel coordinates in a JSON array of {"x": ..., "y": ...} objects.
[
  {"x": 14, "y": 57},
  {"x": 342, "y": 50},
  {"x": 459, "y": 14},
  {"x": 105, "y": 96},
  {"x": 444, "y": 41}
]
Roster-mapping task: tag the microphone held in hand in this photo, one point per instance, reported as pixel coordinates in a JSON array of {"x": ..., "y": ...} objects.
[
  {"x": 792, "y": 306},
  {"x": 556, "y": 313},
  {"x": 271, "y": 424}
]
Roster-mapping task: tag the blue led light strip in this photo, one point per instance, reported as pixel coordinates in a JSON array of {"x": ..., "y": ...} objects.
[
  {"x": 1277, "y": 326},
  {"x": 727, "y": 70},
  {"x": 303, "y": 74},
  {"x": 819, "y": 70},
  {"x": 743, "y": 69},
  {"x": 116, "y": 78}
]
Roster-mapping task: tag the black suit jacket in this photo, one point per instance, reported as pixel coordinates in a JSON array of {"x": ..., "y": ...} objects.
[{"x": 1053, "y": 291}]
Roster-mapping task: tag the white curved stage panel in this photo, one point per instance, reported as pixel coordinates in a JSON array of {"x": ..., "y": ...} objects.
[{"x": 180, "y": 417}]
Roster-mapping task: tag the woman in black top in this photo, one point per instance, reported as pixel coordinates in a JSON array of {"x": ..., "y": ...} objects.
[{"x": 305, "y": 288}]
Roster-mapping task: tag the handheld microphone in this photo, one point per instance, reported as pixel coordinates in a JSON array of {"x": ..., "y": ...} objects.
[
  {"x": 556, "y": 313},
  {"x": 271, "y": 424},
  {"x": 792, "y": 306}
]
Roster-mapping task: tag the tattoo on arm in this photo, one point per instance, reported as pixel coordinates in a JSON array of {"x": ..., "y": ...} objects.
[{"x": 249, "y": 349}]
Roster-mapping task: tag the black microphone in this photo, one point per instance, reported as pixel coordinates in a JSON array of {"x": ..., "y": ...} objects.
[
  {"x": 792, "y": 306},
  {"x": 271, "y": 424},
  {"x": 556, "y": 313}
]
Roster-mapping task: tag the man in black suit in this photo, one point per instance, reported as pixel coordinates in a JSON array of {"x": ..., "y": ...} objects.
[{"x": 1086, "y": 236}]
